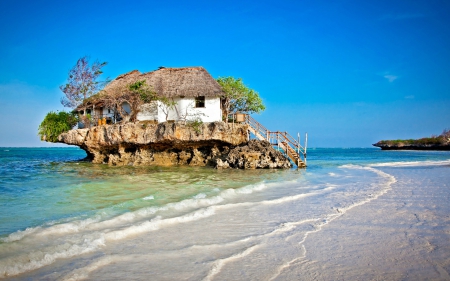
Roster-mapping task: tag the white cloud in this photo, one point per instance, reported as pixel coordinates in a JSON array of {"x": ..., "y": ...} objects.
[{"x": 390, "y": 78}]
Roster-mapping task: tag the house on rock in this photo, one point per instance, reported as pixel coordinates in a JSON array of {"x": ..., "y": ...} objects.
[
  {"x": 174, "y": 94},
  {"x": 193, "y": 94}
]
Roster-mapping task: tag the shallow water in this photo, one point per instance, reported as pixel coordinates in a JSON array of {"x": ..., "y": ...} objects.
[{"x": 67, "y": 220}]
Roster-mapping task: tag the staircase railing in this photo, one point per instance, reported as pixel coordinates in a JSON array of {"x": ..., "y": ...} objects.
[
  {"x": 257, "y": 127},
  {"x": 283, "y": 140},
  {"x": 291, "y": 146}
]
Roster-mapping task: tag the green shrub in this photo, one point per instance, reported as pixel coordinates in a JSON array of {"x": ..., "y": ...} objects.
[
  {"x": 422, "y": 141},
  {"x": 196, "y": 124},
  {"x": 429, "y": 141},
  {"x": 443, "y": 139},
  {"x": 55, "y": 124}
]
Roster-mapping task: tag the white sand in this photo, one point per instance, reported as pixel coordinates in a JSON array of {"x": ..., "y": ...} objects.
[{"x": 402, "y": 235}]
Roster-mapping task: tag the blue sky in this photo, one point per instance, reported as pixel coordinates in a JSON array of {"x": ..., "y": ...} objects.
[{"x": 349, "y": 73}]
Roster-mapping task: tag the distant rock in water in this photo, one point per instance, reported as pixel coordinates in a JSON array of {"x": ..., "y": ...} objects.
[
  {"x": 441, "y": 142},
  {"x": 217, "y": 144},
  {"x": 401, "y": 146}
]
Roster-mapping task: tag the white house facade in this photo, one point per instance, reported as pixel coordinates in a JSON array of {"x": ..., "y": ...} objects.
[
  {"x": 193, "y": 93},
  {"x": 206, "y": 109}
]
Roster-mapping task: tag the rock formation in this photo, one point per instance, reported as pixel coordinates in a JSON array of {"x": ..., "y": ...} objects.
[
  {"x": 252, "y": 155},
  {"x": 217, "y": 144},
  {"x": 384, "y": 145},
  {"x": 441, "y": 142}
]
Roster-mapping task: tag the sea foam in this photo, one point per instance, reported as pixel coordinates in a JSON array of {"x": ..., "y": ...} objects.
[
  {"x": 412, "y": 164},
  {"x": 84, "y": 236}
]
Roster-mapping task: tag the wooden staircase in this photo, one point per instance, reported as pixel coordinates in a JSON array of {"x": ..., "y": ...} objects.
[{"x": 285, "y": 142}]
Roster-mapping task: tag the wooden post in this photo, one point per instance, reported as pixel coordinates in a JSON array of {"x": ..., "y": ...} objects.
[
  {"x": 233, "y": 120},
  {"x": 306, "y": 145}
]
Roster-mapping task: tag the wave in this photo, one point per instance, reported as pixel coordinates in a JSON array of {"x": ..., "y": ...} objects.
[
  {"x": 16, "y": 236},
  {"x": 319, "y": 223},
  {"x": 94, "y": 223},
  {"x": 36, "y": 247},
  {"x": 43, "y": 246},
  {"x": 83, "y": 273},
  {"x": 412, "y": 164},
  {"x": 38, "y": 258},
  {"x": 218, "y": 264},
  {"x": 40, "y": 246}
]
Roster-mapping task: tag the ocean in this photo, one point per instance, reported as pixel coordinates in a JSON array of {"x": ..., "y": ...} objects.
[{"x": 352, "y": 214}]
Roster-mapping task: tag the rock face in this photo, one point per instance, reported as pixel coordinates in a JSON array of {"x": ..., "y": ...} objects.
[
  {"x": 253, "y": 155},
  {"x": 216, "y": 144}
]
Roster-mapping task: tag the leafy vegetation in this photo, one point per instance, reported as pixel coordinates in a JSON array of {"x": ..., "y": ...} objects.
[
  {"x": 134, "y": 95},
  {"x": 142, "y": 91},
  {"x": 238, "y": 97},
  {"x": 55, "y": 124},
  {"x": 196, "y": 125},
  {"x": 442, "y": 139}
]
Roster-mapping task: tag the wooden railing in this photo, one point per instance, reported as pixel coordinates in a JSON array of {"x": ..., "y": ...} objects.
[
  {"x": 258, "y": 130},
  {"x": 292, "y": 147},
  {"x": 289, "y": 145}
]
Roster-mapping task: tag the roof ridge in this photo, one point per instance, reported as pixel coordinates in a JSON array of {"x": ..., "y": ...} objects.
[
  {"x": 164, "y": 68},
  {"x": 188, "y": 81},
  {"x": 128, "y": 73}
]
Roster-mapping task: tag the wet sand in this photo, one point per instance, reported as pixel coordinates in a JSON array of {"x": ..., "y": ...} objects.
[{"x": 402, "y": 235}]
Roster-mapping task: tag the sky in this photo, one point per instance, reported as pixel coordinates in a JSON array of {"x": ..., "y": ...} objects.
[{"x": 348, "y": 73}]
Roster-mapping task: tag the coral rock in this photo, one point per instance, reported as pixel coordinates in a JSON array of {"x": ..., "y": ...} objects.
[{"x": 217, "y": 144}]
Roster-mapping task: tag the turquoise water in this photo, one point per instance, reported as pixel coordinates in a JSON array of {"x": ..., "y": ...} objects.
[
  {"x": 58, "y": 214},
  {"x": 45, "y": 186}
]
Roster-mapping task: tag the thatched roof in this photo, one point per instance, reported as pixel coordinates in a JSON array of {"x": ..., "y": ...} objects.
[{"x": 173, "y": 82}]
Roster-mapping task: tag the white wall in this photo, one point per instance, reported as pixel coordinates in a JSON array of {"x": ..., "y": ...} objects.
[
  {"x": 171, "y": 112},
  {"x": 148, "y": 111},
  {"x": 212, "y": 110},
  {"x": 185, "y": 108}
]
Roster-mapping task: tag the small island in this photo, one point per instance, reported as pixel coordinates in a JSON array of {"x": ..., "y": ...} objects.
[
  {"x": 441, "y": 142},
  {"x": 167, "y": 117}
]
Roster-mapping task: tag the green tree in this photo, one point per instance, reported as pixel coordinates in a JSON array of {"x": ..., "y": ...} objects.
[
  {"x": 238, "y": 97},
  {"x": 55, "y": 124}
]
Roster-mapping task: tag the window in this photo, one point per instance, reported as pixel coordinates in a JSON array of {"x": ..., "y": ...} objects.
[{"x": 200, "y": 101}]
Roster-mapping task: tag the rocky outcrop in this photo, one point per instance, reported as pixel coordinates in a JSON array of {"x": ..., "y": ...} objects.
[
  {"x": 253, "y": 155},
  {"x": 441, "y": 142},
  {"x": 408, "y": 146},
  {"x": 217, "y": 144}
]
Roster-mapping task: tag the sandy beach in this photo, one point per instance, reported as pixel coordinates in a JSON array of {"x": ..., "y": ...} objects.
[{"x": 402, "y": 235}]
